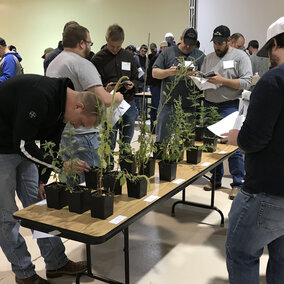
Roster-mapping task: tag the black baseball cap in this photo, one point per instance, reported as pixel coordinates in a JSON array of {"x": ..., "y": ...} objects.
[
  {"x": 190, "y": 36},
  {"x": 220, "y": 34},
  {"x": 2, "y": 41}
]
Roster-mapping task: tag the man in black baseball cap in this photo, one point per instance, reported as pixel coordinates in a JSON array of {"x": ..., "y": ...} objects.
[
  {"x": 190, "y": 36},
  {"x": 232, "y": 68},
  {"x": 221, "y": 34},
  {"x": 166, "y": 67}
]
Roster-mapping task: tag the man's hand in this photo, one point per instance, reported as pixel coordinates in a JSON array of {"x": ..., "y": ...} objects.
[
  {"x": 218, "y": 79},
  {"x": 118, "y": 97},
  {"x": 128, "y": 85},
  {"x": 77, "y": 166},
  {"x": 109, "y": 87},
  {"x": 231, "y": 137},
  {"x": 41, "y": 191},
  {"x": 172, "y": 71}
]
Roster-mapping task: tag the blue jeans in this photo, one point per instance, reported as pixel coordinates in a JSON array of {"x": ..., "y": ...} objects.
[
  {"x": 21, "y": 175},
  {"x": 236, "y": 161},
  {"x": 89, "y": 154},
  {"x": 255, "y": 221},
  {"x": 155, "y": 99}
]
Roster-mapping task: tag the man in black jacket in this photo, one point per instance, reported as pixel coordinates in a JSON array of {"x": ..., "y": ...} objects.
[
  {"x": 113, "y": 62},
  {"x": 256, "y": 218},
  {"x": 34, "y": 108}
]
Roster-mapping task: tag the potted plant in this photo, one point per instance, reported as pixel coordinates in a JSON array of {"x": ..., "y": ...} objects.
[
  {"x": 103, "y": 197},
  {"x": 173, "y": 146},
  {"x": 56, "y": 196},
  {"x": 210, "y": 139}
]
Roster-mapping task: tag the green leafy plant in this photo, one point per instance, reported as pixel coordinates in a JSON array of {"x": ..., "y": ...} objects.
[
  {"x": 60, "y": 173},
  {"x": 104, "y": 151}
]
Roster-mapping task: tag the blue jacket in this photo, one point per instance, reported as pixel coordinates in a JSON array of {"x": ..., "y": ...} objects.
[{"x": 8, "y": 65}]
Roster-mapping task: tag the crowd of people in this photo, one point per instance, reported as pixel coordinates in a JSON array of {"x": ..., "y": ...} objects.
[{"x": 78, "y": 82}]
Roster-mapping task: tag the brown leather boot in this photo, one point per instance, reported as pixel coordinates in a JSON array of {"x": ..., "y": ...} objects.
[
  {"x": 35, "y": 279},
  {"x": 70, "y": 268}
]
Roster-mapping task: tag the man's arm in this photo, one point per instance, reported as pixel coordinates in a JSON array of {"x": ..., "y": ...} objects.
[{"x": 159, "y": 73}]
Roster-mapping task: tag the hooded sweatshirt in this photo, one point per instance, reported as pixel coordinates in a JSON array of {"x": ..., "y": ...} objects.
[{"x": 10, "y": 66}]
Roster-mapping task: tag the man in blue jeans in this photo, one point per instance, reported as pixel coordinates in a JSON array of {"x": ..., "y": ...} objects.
[
  {"x": 233, "y": 74},
  {"x": 256, "y": 218},
  {"x": 34, "y": 108}
]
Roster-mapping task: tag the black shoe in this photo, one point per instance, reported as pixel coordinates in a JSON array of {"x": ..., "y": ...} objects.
[
  {"x": 208, "y": 187},
  {"x": 70, "y": 268},
  {"x": 35, "y": 279}
]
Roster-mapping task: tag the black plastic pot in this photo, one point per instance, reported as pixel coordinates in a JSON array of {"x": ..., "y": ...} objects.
[
  {"x": 149, "y": 169},
  {"x": 137, "y": 188},
  {"x": 56, "y": 196},
  {"x": 125, "y": 165},
  {"x": 101, "y": 206},
  {"x": 79, "y": 200},
  {"x": 167, "y": 171},
  {"x": 210, "y": 143},
  {"x": 199, "y": 132},
  {"x": 111, "y": 184},
  {"x": 92, "y": 177},
  {"x": 193, "y": 156}
]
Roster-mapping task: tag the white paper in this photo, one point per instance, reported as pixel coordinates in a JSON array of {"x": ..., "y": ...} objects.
[
  {"x": 41, "y": 235},
  {"x": 228, "y": 64},
  {"x": 118, "y": 111},
  {"x": 178, "y": 181},
  {"x": 232, "y": 121},
  {"x": 125, "y": 66},
  {"x": 117, "y": 219},
  {"x": 187, "y": 63},
  {"x": 222, "y": 152},
  {"x": 151, "y": 198},
  {"x": 205, "y": 164},
  {"x": 246, "y": 95},
  {"x": 202, "y": 83},
  {"x": 41, "y": 203},
  {"x": 140, "y": 72}
]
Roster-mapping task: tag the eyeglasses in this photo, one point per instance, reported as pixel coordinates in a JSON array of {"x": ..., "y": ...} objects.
[{"x": 89, "y": 42}]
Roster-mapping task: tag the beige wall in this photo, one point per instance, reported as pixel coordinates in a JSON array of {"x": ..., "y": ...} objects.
[{"x": 33, "y": 25}]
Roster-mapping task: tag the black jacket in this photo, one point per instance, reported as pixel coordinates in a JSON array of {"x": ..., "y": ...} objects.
[
  {"x": 32, "y": 108},
  {"x": 110, "y": 68},
  {"x": 262, "y": 135}
]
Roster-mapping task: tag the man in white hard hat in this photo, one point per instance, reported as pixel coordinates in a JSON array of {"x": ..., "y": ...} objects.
[
  {"x": 170, "y": 39},
  {"x": 257, "y": 213}
]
